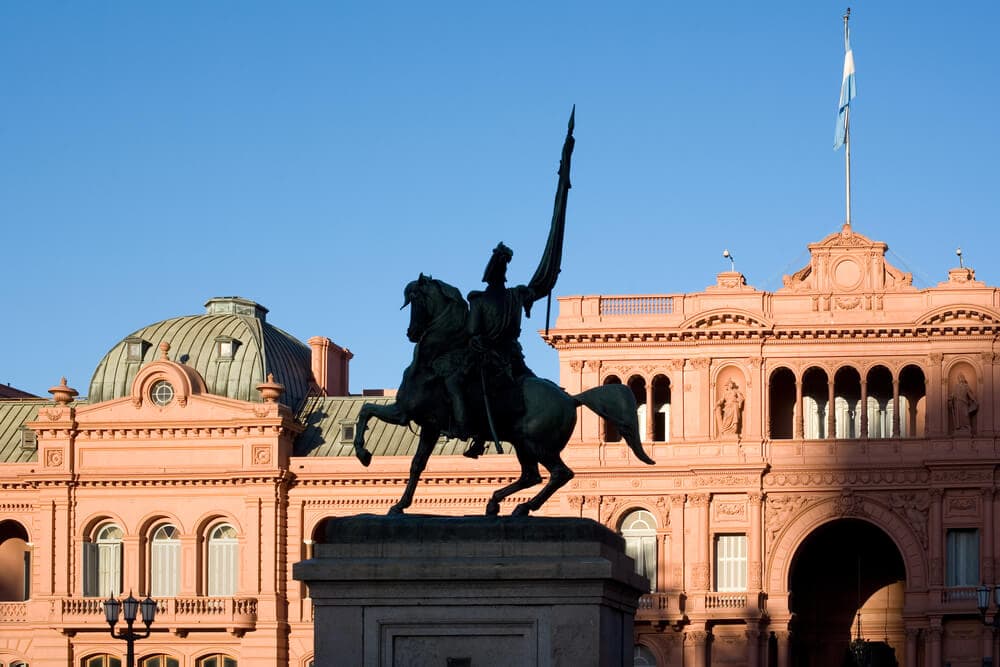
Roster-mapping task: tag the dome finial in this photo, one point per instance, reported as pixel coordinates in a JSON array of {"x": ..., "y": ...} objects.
[{"x": 164, "y": 348}]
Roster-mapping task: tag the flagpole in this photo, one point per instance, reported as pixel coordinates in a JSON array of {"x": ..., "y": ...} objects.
[{"x": 847, "y": 138}]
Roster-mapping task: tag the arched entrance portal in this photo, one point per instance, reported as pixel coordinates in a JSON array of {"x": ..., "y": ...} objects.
[{"x": 843, "y": 566}]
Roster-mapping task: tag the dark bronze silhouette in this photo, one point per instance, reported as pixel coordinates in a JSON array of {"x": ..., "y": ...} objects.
[{"x": 468, "y": 378}]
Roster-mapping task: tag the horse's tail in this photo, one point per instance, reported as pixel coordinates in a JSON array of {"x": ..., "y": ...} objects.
[{"x": 616, "y": 403}]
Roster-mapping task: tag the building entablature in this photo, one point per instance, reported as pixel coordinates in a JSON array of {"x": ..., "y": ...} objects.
[{"x": 848, "y": 291}]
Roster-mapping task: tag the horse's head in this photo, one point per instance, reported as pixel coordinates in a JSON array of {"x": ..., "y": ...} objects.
[{"x": 428, "y": 299}]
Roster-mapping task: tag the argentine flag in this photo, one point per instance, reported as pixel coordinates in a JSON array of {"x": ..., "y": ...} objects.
[{"x": 847, "y": 91}]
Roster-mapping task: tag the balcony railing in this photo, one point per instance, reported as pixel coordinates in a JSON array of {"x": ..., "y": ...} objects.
[
  {"x": 637, "y": 305},
  {"x": 959, "y": 594},
  {"x": 235, "y": 614},
  {"x": 13, "y": 612},
  {"x": 656, "y": 607},
  {"x": 725, "y": 601}
]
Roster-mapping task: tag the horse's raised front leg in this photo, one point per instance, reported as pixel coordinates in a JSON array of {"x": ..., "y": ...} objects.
[
  {"x": 428, "y": 438},
  {"x": 391, "y": 414},
  {"x": 529, "y": 477},
  {"x": 559, "y": 475}
]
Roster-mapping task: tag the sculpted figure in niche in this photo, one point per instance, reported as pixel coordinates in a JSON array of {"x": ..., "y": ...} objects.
[
  {"x": 729, "y": 410},
  {"x": 963, "y": 406}
]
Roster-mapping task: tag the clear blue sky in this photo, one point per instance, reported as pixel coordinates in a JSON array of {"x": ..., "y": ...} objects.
[{"x": 315, "y": 157}]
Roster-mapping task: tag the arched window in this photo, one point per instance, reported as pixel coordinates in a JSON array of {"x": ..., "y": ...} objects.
[
  {"x": 223, "y": 556},
  {"x": 159, "y": 660},
  {"x": 15, "y": 562},
  {"x": 879, "y": 406},
  {"x": 165, "y": 562},
  {"x": 638, "y": 386},
  {"x": 815, "y": 399},
  {"x": 847, "y": 403},
  {"x": 104, "y": 660},
  {"x": 781, "y": 402},
  {"x": 643, "y": 657},
  {"x": 639, "y": 531},
  {"x": 912, "y": 402},
  {"x": 610, "y": 433},
  {"x": 661, "y": 409},
  {"x": 102, "y": 563},
  {"x": 217, "y": 660}
]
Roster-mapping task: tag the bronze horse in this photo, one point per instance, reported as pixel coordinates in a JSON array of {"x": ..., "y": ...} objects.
[{"x": 538, "y": 429}]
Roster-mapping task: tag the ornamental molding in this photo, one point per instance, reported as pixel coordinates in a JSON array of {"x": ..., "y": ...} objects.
[
  {"x": 975, "y": 315},
  {"x": 826, "y": 478},
  {"x": 913, "y": 508},
  {"x": 730, "y": 511},
  {"x": 728, "y": 480},
  {"x": 54, "y": 458},
  {"x": 698, "y": 499},
  {"x": 576, "y": 366},
  {"x": 779, "y": 512},
  {"x": 962, "y": 475},
  {"x": 962, "y": 506},
  {"x": 261, "y": 455}
]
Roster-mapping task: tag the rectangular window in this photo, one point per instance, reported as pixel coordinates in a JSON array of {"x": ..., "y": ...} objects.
[
  {"x": 962, "y": 559},
  {"x": 730, "y": 563}
]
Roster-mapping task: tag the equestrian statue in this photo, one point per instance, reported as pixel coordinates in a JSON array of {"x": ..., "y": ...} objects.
[{"x": 468, "y": 378}]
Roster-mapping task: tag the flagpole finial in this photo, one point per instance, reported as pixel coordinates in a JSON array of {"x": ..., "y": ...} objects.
[{"x": 847, "y": 15}]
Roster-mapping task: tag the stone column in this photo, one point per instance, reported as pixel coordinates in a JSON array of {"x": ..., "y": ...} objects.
[
  {"x": 754, "y": 542},
  {"x": 784, "y": 648},
  {"x": 678, "y": 425},
  {"x": 895, "y": 407},
  {"x": 933, "y": 652},
  {"x": 700, "y": 573},
  {"x": 132, "y": 572},
  {"x": 649, "y": 411},
  {"x": 696, "y": 646},
  {"x": 752, "y": 634},
  {"x": 798, "y": 409},
  {"x": 677, "y": 541},
  {"x": 933, "y": 403},
  {"x": 934, "y": 538},
  {"x": 985, "y": 424},
  {"x": 831, "y": 412},
  {"x": 911, "y": 647},
  {"x": 864, "y": 410},
  {"x": 989, "y": 556}
]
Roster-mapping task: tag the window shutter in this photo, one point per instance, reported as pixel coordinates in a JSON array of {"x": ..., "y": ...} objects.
[{"x": 90, "y": 569}]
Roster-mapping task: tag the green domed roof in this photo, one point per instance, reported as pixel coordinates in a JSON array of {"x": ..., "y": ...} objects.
[{"x": 231, "y": 345}]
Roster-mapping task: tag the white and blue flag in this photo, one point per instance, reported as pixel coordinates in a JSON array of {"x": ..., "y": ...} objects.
[{"x": 847, "y": 91}]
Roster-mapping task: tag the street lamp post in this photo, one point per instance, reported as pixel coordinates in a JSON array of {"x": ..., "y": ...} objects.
[
  {"x": 129, "y": 607},
  {"x": 983, "y": 602}
]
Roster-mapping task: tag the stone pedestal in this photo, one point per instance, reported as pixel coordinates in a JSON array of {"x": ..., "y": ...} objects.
[{"x": 471, "y": 592}]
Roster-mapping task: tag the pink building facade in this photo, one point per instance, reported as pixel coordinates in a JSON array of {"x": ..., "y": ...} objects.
[{"x": 826, "y": 462}]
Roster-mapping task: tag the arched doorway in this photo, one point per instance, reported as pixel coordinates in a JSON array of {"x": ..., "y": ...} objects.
[{"x": 844, "y": 566}]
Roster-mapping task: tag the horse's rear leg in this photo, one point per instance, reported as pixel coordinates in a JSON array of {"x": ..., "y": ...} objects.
[
  {"x": 529, "y": 477},
  {"x": 559, "y": 475},
  {"x": 428, "y": 438}
]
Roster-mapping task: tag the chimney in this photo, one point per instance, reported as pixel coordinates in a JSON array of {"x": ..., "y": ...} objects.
[{"x": 330, "y": 364}]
